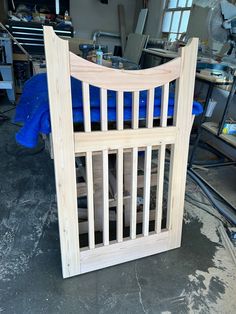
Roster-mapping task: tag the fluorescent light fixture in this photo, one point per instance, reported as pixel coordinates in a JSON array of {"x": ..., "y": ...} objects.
[{"x": 57, "y": 6}]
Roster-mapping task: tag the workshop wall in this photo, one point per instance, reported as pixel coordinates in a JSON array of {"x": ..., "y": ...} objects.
[
  {"x": 91, "y": 15},
  {"x": 3, "y": 10},
  {"x": 154, "y": 20}
]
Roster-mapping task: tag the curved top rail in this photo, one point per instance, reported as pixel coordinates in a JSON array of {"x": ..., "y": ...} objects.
[
  {"x": 121, "y": 80},
  {"x": 124, "y": 80},
  {"x": 118, "y": 80}
]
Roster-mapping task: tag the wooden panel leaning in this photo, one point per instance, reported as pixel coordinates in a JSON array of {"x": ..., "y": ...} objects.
[{"x": 76, "y": 260}]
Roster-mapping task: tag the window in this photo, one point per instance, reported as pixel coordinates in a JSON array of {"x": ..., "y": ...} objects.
[{"x": 176, "y": 16}]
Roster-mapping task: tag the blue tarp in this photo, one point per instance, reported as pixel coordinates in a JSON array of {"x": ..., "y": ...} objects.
[{"x": 33, "y": 107}]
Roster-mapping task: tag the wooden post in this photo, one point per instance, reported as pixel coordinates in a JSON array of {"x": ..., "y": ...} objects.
[
  {"x": 59, "y": 89},
  {"x": 179, "y": 151}
]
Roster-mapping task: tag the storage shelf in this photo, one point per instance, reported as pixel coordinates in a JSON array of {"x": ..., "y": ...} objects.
[{"x": 213, "y": 127}]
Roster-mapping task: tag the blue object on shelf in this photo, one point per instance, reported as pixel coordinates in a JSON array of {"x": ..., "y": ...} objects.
[{"x": 33, "y": 107}]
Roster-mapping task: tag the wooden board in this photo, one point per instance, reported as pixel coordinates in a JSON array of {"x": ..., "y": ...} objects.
[
  {"x": 97, "y": 141},
  {"x": 98, "y": 145},
  {"x": 141, "y": 21},
  {"x": 134, "y": 47},
  {"x": 122, "y": 26}
]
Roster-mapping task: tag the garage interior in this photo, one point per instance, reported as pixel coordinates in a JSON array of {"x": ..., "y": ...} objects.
[{"x": 117, "y": 36}]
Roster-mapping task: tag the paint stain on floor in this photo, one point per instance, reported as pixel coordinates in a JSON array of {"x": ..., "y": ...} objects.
[{"x": 199, "y": 277}]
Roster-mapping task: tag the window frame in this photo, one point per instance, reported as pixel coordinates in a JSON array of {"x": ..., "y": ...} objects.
[{"x": 173, "y": 10}]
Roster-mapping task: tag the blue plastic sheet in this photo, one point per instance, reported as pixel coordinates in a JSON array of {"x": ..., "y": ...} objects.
[{"x": 33, "y": 107}]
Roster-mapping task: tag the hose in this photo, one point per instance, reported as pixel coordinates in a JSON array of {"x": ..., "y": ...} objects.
[{"x": 226, "y": 212}]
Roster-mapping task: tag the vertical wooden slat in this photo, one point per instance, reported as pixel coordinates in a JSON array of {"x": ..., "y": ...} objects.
[
  {"x": 147, "y": 165},
  {"x": 150, "y": 108},
  {"x": 160, "y": 186},
  {"x": 89, "y": 165},
  {"x": 164, "y": 105},
  {"x": 89, "y": 174},
  {"x": 134, "y": 163},
  {"x": 161, "y": 160},
  {"x": 134, "y": 178},
  {"x": 59, "y": 89},
  {"x": 105, "y": 166},
  {"x": 120, "y": 195},
  {"x": 105, "y": 179},
  {"x": 103, "y": 108},
  {"x": 120, "y": 110},
  {"x": 86, "y": 107},
  {"x": 147, "y": 187},
  {"x": 119, "y": 169},
  {"x": 135, "y": 109}
]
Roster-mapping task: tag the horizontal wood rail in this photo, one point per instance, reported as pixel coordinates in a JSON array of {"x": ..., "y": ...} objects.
[
  {"x": 129, "y": 249},
  {"x": 112, "y": 140}
]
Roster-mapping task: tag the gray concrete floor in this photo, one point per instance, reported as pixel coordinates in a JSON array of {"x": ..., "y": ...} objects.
[
  {"x": 197, "y": 278},
  {"x": 223, "y": 179}
]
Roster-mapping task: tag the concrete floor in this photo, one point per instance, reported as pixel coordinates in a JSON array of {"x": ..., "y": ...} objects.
[
  {"x": 223, "y": 179},
  {"x": 200, "y": 277}
]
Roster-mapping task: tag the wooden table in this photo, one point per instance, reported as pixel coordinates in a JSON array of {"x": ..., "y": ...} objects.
[{"x": 167, "y": 54}]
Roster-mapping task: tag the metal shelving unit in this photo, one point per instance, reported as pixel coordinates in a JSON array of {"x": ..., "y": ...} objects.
[{"x": 6, "y": 67}]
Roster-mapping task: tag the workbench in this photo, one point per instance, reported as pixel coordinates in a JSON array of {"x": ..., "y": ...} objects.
[
  {"x": 212, "y": 82},
  {"x": 210, "y": 127}
]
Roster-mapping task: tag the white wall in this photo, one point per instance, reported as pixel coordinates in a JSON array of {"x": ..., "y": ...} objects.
[{"x": 91, "y": 15}]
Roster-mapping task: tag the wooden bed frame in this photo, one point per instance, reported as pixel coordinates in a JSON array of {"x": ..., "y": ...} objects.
[{"x": 61, "y": 64}]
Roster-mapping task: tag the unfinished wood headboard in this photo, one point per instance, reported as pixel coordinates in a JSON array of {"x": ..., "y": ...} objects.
[{"x": 61, "y": 64}]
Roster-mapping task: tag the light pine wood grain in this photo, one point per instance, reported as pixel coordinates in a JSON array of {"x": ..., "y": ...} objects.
[
  {"x": 105, "y": 181},
  {"x": 161, "y": 160},
  {"x": 128, "y": 250},
  {"x": 164, "y": 104},
  {"x": 135, "y": 109},
  {"x": 114, "y": 139},
  {"x": 179, "y": 152},
  {"x": 120, "y": 167},
  {"x": 58, "y": 79},
  {"x": 147, "y": 165},
  {"x": 99, "y": 144},
  {"x": 160, "y": 186},
  {"x": 90, "y": 202},
  {"x": 134, "y": 178},
  {"x": 119, "y": 171},
  {"x": 134, "y": 172},
  {"x": 105, "y": 168},
  {"x": 124, "y": 80},
  {"x": 86, "y": 107},
  {"x": 147, "y": 187},
  {"x": 103, "y": 108}
]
